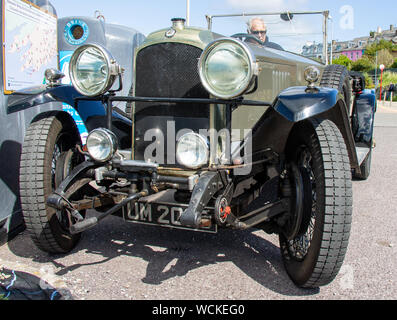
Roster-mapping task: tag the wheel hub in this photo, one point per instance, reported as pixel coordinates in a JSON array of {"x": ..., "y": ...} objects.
[{"x": 300, "y": 225}]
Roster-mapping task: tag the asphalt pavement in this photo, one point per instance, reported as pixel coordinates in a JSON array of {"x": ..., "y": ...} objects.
[
  {"x": 386, "y": 115},
  {"x": 119, "y": 261}
]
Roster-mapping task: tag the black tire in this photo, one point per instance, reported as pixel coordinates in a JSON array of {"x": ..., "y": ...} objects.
[
  {"x": 327, "y": 214},
  {"x": 337, "y": 77},
  {"x": 46, "y": 142}
]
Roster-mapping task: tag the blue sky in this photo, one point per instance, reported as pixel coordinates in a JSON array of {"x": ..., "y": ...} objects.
[{"x": 351, "y": 18}]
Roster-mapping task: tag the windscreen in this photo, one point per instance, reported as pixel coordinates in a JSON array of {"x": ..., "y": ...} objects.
[{"x": 300, "y": 33}]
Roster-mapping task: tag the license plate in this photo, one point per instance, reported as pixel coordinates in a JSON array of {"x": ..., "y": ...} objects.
[{"x": 160, "y": 214}]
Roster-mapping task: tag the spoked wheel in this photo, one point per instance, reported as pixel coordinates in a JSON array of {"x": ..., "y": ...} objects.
[
  {"x": 47, "y": 159},
  {"x": 315, "y": 237}
]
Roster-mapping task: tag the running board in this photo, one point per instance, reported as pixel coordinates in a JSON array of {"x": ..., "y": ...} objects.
[{"x": 362, "y": 153}]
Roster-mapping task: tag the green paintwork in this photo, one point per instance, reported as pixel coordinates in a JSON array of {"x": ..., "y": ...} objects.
[{"x": 278, "y": 70}]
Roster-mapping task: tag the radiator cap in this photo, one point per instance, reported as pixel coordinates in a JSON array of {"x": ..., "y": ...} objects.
[{"x": 178, "y": 23}]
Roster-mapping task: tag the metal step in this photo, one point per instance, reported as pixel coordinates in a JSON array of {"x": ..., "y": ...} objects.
[{"x": 362, "y": 153}]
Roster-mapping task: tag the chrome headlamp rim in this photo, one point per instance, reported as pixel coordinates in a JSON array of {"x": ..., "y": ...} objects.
[
  {"x": 112, "y": 142},
  {"x": 253, "y": 69},
  {"x": 112, "y": 67},
  {"x": 205, "y": 142}
]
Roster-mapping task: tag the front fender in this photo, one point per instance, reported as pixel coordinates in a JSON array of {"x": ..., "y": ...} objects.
[
  {"x": 20, "y": 101},
  {"x": 298, "y": 103},
  {"x": 93, "y": 113}
]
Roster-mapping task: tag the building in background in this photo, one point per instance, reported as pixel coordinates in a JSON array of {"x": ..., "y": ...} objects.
[
  {"x": 313, "y": 50},
  {"x": 353, "y": 49}
]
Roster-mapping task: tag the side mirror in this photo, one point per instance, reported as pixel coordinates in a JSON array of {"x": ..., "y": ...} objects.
[{"x": 286, "y": 16}]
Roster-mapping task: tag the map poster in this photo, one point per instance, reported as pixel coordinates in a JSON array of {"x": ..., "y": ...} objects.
[{"x": 29, "y": 44}]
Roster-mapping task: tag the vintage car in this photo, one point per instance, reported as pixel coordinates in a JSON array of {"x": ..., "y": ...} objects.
[{"x": 219, "y": 132}]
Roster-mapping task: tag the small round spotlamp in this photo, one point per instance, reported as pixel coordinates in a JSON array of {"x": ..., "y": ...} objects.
[
  {"x": 101, "y": 144},
  {"x": 192, "y": 150}
]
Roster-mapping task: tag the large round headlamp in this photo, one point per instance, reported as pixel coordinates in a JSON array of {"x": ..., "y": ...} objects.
[
  {"x": 93, "y": 70},
  {"x": 227, "y": 68},
  {"x": 101, "y": 144},
  {"x": 192, "y": 150}
]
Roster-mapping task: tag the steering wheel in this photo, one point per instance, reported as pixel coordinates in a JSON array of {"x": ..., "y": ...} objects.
[{"x": 247, "y": 36}]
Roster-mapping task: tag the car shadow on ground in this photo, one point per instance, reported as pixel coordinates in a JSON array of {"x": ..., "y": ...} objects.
[{"x": 257, "y": 257}]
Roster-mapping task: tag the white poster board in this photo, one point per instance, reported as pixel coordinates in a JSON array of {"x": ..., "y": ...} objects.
[{"x": 29, "y": 44}]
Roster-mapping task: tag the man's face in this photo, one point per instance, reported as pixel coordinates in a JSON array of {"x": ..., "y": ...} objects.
[{"x": 259, "y": 30}]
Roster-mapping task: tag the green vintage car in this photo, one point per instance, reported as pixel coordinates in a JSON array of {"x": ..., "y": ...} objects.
[{"x": 219, "y": 132}]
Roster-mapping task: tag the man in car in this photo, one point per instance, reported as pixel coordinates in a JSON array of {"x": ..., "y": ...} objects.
[{"x": 258, "y": 28}]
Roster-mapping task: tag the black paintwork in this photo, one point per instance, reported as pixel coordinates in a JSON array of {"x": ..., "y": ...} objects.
[
  {"x": 364, "y": 109},
  {"x": 91, "y": 111},
  {"x": 168, "y": 70},
  {"x": 300, "y": 103}
]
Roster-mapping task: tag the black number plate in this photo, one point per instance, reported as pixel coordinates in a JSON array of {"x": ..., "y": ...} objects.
[{"x": 159, "y": 214}]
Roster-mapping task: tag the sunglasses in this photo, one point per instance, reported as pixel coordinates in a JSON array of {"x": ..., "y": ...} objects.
[{"x": 259, "y": 32}]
